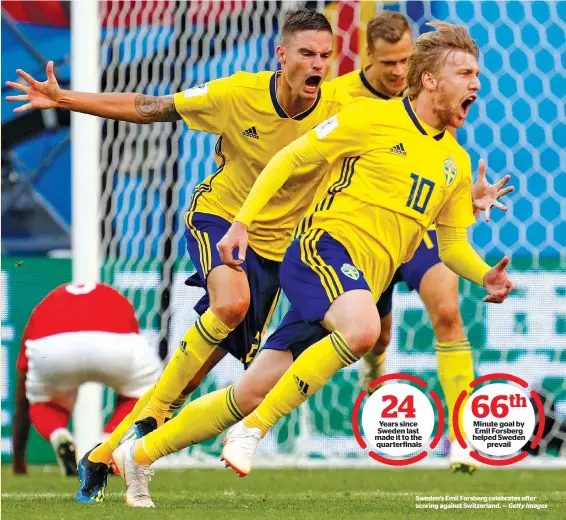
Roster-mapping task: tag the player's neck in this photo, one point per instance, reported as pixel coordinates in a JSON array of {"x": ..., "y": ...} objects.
[
  {"x": 377, "y": 85},
  {"x": 291, "y": 103},
  {"x": 423, "y": 107}
]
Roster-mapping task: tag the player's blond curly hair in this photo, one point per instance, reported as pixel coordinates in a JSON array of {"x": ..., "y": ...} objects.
[{"x": 429, "y": 49}]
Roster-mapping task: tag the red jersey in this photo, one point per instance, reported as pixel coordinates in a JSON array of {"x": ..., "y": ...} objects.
[{"x": 79, "y": 308}]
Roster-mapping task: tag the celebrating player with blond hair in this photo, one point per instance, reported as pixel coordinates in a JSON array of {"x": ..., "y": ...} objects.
[
  {"x": 331, "y": 284},
  {"x": 378, "y": 208},
  {"x": 389, "y": 44}
]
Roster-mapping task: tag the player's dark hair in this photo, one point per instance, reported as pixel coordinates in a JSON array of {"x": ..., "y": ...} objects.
[
  {"x": 387, "y": 25},
  {"x": 303, "y": 20}
]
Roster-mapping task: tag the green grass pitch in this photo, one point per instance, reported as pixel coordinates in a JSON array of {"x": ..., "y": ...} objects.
[{"x": 287, "y": 494}]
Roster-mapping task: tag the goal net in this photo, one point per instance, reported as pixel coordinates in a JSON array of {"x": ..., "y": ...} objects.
[{"x": 518, "y": 126}]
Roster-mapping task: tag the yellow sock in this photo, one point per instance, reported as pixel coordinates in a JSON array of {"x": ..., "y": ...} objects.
[
  {"x": 308, "y": 374},
  {"x": 196, "y": 347},
  {"x": 177, "y": 404},
  {"x": 200, "y": 420},
  {"x": 103, "y": 452},
  {"x": 455, "y": 372}
]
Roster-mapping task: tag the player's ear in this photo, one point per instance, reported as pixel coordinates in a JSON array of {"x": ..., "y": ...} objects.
[
  {"x": 281, "y": 54},
  {"x": 429, "y": 81}
]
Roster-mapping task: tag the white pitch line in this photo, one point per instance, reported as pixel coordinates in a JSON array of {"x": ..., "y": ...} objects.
[
  {"x": 232, "y": 493},
  {"x": 18, "y": 495}
]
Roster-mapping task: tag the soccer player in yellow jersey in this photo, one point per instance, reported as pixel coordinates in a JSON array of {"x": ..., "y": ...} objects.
[
  {"x": 207, "y": 416},
  {"x": 378, "y": 207},
  {"x": 389, "y": 44},
  {"x": 255, "y": 115}
]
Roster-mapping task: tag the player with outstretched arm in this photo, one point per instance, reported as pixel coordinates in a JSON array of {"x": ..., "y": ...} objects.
[
  {"x": 389, "y": 44},
  {"x": 354, "y": 196},
  {"x": 378, "y": 208}
]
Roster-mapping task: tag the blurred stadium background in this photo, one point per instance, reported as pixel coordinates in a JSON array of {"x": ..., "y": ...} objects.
[{"x": 148, "y": 172}]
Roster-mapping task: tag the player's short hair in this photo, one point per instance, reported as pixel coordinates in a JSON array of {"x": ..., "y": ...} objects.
[
  {"x": 387, "y": 25},
  {"x": 303, "y": 20},
  {"x": 429, "y": 48}
]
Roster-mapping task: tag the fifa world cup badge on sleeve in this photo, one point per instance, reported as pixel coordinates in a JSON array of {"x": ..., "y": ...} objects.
[
  {"x": 326, "y": 127},
  {"x": 199, "y": 90}
]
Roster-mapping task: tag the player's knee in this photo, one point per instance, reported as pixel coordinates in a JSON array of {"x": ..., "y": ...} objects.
[
  {"x": 447, "y": 319},
  {"x": 233, "y": 311},
  {"x": 362, "y": 339}
]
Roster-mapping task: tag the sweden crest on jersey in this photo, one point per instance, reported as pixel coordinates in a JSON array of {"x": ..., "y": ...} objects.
[
  {"x": 449, "y": 170},
  {"x": 350, "y": 271}
]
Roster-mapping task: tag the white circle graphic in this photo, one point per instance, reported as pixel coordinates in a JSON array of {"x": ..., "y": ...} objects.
[
  {"x": 398, "y": 419},
  {"x": 499, "y": 419}
]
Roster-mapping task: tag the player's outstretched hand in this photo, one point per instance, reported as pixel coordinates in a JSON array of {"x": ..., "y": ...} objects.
[
  {"x": 235, "y": 238},
  {"x": 38, "y": 94},
  {"x": 497, "y": 283},
  {"x": 487, "y": 195}
]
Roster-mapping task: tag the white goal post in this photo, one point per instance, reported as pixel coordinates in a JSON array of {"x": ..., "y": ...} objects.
[{"x": 85, "y": 198}]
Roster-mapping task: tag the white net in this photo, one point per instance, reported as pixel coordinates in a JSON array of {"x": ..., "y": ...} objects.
[{"x": 518, "y": 126}]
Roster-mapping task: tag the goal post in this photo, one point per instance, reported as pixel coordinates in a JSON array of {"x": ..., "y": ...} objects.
[{"x": 85, "y": 195}]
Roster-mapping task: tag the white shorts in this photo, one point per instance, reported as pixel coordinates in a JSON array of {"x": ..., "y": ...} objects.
[{"x": 59, "y": 364}]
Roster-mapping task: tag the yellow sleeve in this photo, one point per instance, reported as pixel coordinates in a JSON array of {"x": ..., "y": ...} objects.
[
  {"x": 343, "y": 135},
  {"x": 275, "y": 174},
  {"x": 458, "y": 255},
  {"x": 207, "y": 106},
  {"x": 458, "y": 211},
  {"x": 334, "y": 138}
]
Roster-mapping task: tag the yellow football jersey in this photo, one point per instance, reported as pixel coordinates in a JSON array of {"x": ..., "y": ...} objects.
[
  {"x": 357, "y": 84},
  {"x": 392, "y": 176},
  {"x": 244, "y": 111}
]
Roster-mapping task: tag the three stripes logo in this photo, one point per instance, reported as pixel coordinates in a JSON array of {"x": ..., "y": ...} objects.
[
  {"x": 399, "y": 149},
  {"x": 301, "y": 385},
  {"x": 183, "y": 347},
  {"x": 251, "y": 132},
  {"x": 130, "y": 434}
]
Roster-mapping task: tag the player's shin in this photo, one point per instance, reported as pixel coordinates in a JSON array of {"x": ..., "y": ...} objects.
[
  {"x": 200, "y": 420},
  {"x": 308, "y": 374},
  {"x": 196, "y": 347},
  {"x": 455, "y": 372}
]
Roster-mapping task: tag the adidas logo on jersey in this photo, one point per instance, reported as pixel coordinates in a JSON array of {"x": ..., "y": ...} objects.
[
  {"x": 301, "y": 385},
  {"x": 251, "y": 132},
  {"x": 399, "y": 149}
]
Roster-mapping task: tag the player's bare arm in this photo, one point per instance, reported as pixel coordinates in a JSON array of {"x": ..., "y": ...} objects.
[
  {"x": 21, "y": 426},
  {"x": 131, "y": 107}
]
